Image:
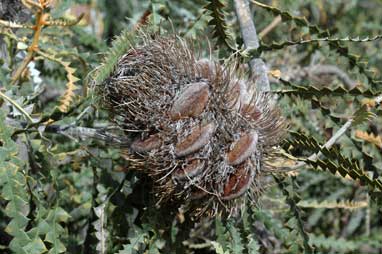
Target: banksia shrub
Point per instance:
(194, 126)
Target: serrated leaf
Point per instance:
(215, 8)
(283, 44)
(371, 138)
(221, 233)
(13, 189)
(362, 115)
(335, 45)
(219, 248)
(236, 244)
(64, 22)
(55, 216)
(68, 96)
(332, 243)
(100, 230)
(119, 46)
(334, 161)
(19, 240)
(308, 92)
(252, 245)
(37, 246)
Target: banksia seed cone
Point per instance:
(194, 126)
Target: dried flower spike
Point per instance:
(201, 135)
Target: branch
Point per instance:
(333, 139)
(328, 144)
(332, 70)
(248, 32)
(313, 72)
(77, 132)
(84, 133)
(270, 27)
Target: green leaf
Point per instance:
(362, 115)
(236, 244)
(215, 8)
(252, 245)
(334, 161)
(119, 47)
(331, 243)
(137, 238)
(13, 189)
(35, 247)
(221, 233)
(354, 60)
(219, 248)
(56, 216)
(282, 45)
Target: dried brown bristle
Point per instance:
(234, 94)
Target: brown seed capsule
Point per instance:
(199, 137)
(191, 101)
(144, 146)
(194, 168)
(243, 148)
(237, 184)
